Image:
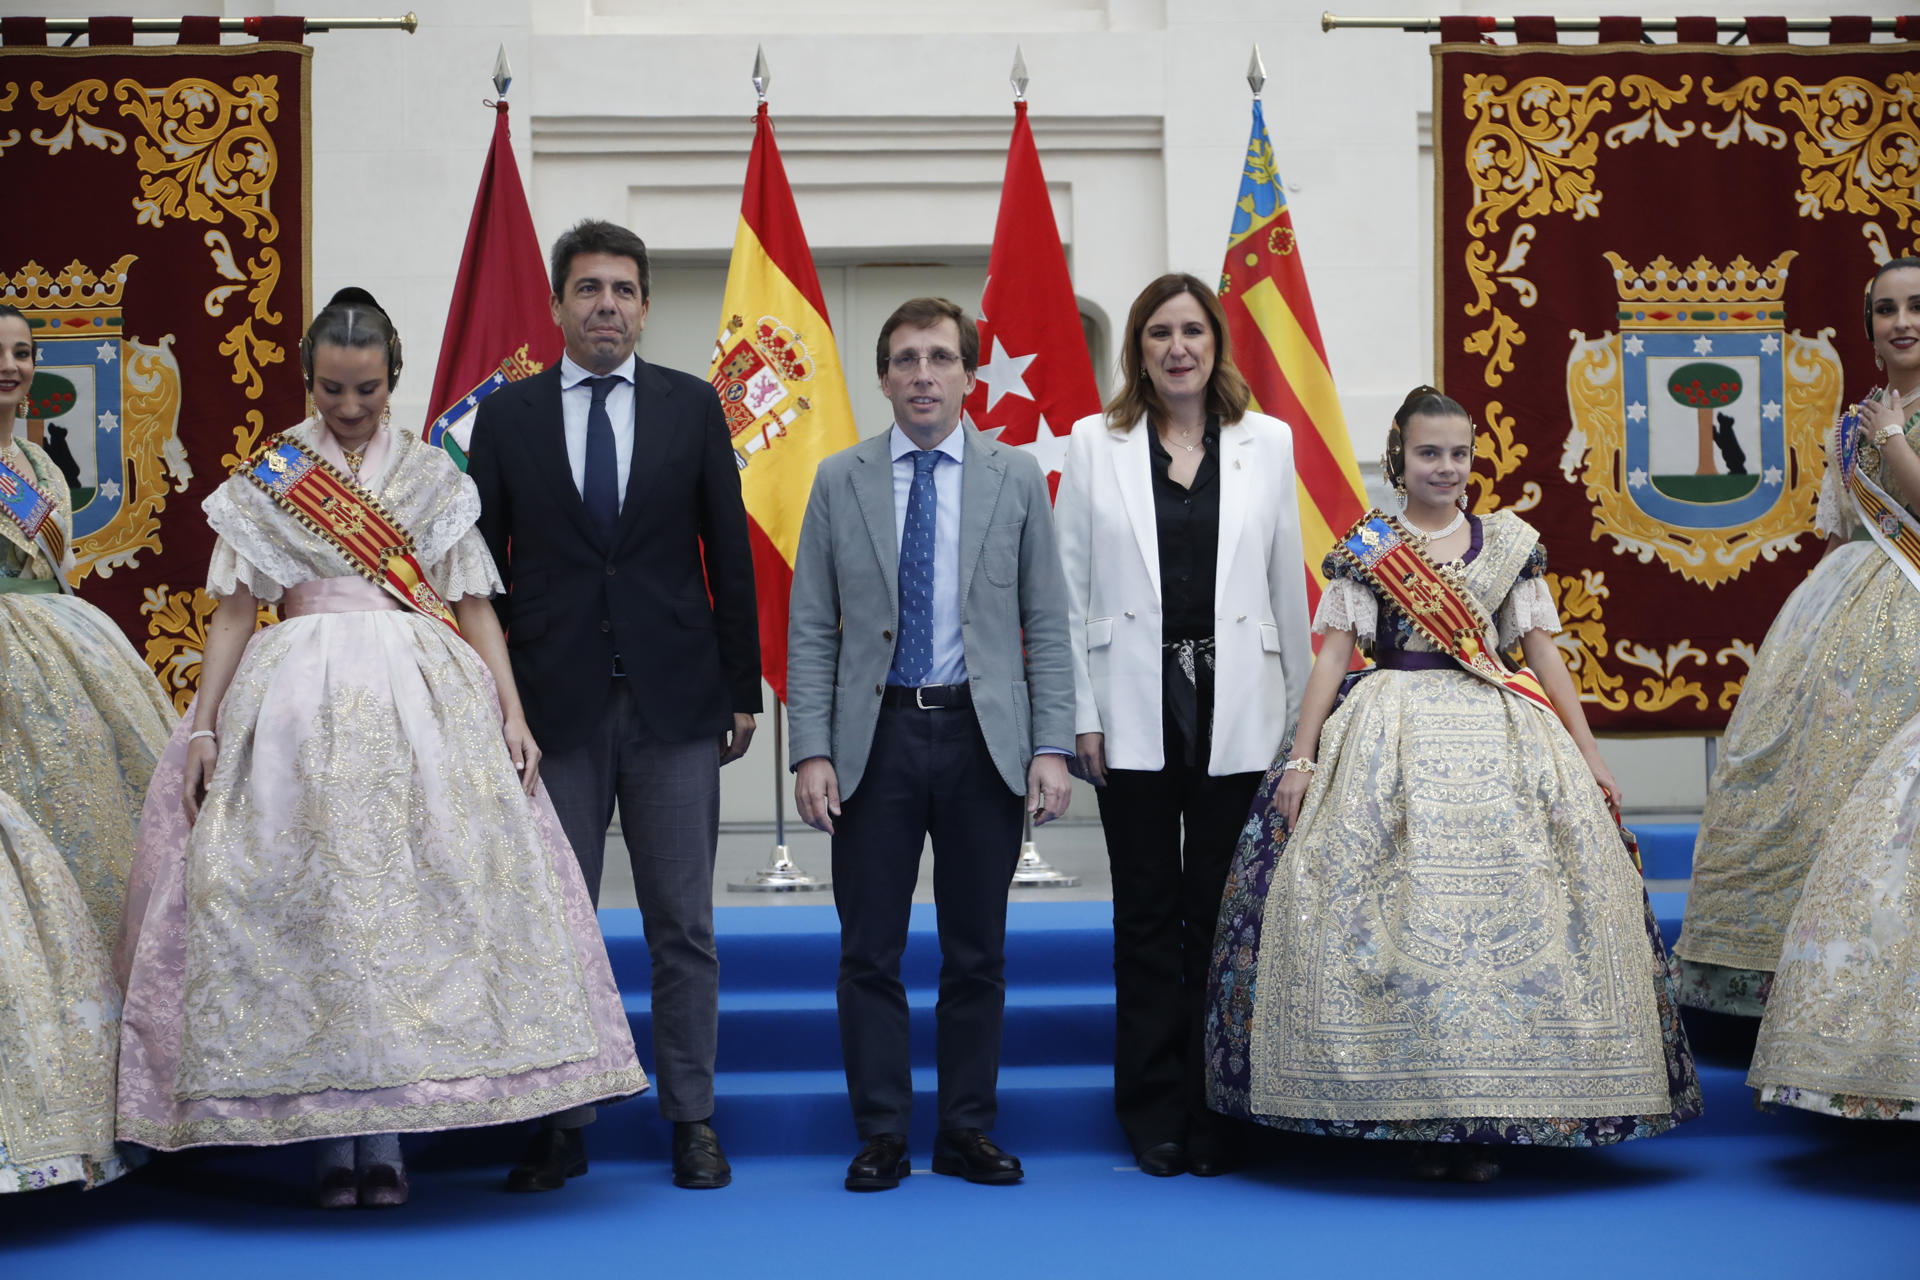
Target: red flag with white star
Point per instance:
(1035, 377)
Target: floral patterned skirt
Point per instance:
(1401, 958)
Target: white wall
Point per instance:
(639, 110)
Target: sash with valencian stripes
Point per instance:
(37, 516)
(305, 486)
(1889, 523)
(1438, 609)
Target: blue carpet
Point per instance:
(1737, 1192)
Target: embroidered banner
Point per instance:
(1649, 280)
(157, 242)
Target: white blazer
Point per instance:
(1110, 550)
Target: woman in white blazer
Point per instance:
(1179, 532)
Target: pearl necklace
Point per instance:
(1459, 518)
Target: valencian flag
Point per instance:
(1035, 377)
(1276, 344)
(499, 326)
(780, 383)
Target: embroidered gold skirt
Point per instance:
(1841, 1033)
(1454, 932)
(1833, 681)
(82, 720)
(60, 1032)
(371, 928)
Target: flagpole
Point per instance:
(1032, 871)
(781, 874)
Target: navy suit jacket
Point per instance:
(672, 594)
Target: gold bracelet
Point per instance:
(1299, 764)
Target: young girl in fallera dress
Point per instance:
(352, 912)
(1432, 930)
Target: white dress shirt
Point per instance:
(576, 399)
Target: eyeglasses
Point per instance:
(941, 361)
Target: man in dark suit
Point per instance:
(610, 498)
(930, 689)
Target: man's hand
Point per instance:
(1093, 757)
(816, 793)
(734, 745)
(1048, 788)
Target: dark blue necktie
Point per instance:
(600, 490)
(913, 656)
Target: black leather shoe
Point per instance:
(1163, 1160)
(881, 1163)
(552, 1157)
(698, 1162)
(970, 1154)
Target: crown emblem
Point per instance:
(783, 349)
(34, 288)
(1702, 284)
(520, 365)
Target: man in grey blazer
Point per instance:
(929, 689)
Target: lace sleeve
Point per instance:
(1347, 606)
(1527, 607)
(1834, 517)
(466, 570)
(227, 571)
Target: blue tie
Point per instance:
(600, 490)
(913, 656)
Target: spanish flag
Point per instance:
(779, 381)
(1276, 343)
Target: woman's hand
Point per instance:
(1877, 416)
(1091, 763)
(1287, 797)
(201, 755)
(525, 752)
(1604, 776)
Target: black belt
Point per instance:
(928, 697)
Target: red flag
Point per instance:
(1035, 377)
(499, 326)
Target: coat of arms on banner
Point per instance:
(758, 374)
(1697, 428)
(105, 405)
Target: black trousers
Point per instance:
(929, 774)
(1166, 898)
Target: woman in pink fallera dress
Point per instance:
(352, 912)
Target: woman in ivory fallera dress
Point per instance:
(82, 718)
(60, 1032)
(1842, 1027)
(352, 912)
(1453, 944)
(1833, 682)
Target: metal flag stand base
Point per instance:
(1034, 872)
(781, 874)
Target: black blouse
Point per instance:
(1188, 523)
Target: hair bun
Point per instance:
(354, 295)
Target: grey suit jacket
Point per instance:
(845, 609)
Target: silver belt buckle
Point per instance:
(919, 698)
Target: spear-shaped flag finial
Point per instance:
(761, 76)
(502, 72)
(1019, 76)
(1256, 71)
